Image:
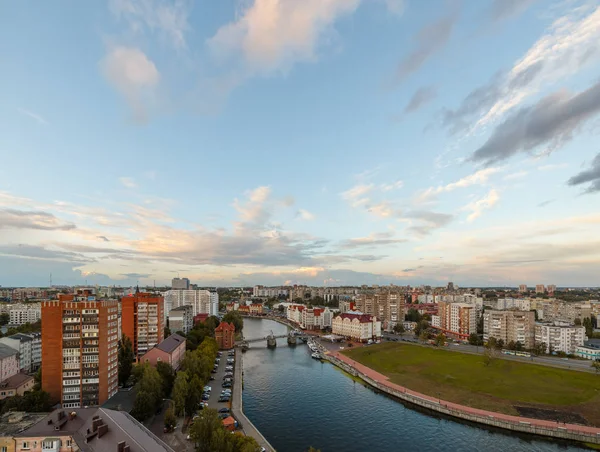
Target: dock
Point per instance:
(237, 406)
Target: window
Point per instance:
(158, 359)
(25, 445)
(69, 442)
(3, 449)
(48, 444)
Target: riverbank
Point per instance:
(237, 405)
(572, 432)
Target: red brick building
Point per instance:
(225, 335)
(143, 321)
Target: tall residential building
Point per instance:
(551, 289)
(387, 306)
(517, 326)
(539, 288)
(457, 319)
(180, 284)
(181, 319)
(79, 350)
(560, 337)
(20, 314)
(201, 301)
(142, 320)
(523, 288)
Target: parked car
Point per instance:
(227, 385)
(224, 399)
(224, 410)
(223, 415)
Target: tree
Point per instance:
(194, 395)
(589, 329)
(143, 406)
(488, 356)
(167, 375)
(492, 342)
(440, 339)
(149, 392)
(473, 339)
(280, 308)
(235, 318)
(167, 332)
(577, 321)
(243, 443)
(180, 392)
(518, 346)
(4, 318)
(500, 344)
(512, 345)
(420, 327)
(596, 366)
(203, 431)
(413, 315)
(125, 357)
(399, 328)
(170, 419)
(424, 336)
(312, 449)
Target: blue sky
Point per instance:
(322, 142)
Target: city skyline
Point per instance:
(322, 143)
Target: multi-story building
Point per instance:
(560, 337)
(358, 327)
(388, 306)
(180, 284)
(523, 288)
(315, 318)
(565, 311)
(551, 288)
(201, 301)
(540, 288)
(255, 309)
(20, 314)
(181, 319)
(22, 344)
(225, 335)
(588, 353)
(346, 305)
(28, 293)
(294, 312)
(523, 304)
(142, 320)
(458, 320)
(9, 362)
(269, 292)
(515, 326)
(79, 350)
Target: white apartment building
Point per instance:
(358, 327)
(523, 304)
(181, 319)
(269, 292)
(315, 318)
(20, 314)
(201, 301)
(294, 312)
(29, 348)
(560, 337)
(180, 284)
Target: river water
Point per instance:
(297, 402)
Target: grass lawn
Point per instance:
(463, 378)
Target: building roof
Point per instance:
(59, 422)
(186, 307)
(22, 337)
(170, 344)
(15, 422)
(120, 426)
(6, 351)
(362, 318)
(225, 326)
(228, 421)
(16, 381)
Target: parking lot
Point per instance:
(217, 384)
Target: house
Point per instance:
(256, 309)
(358, 327)
(88, 430)
(170, 351)
(9, 362)
(16, 385)
(225, 335)
(230, 423)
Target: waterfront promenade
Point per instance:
(574, 432)
(237, 405)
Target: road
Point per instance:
(177, 439)
(216, 385)
(569, 364)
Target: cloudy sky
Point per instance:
(315, 141)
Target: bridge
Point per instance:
(270, 339)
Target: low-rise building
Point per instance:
(315, 318)
(256, 308)
(294, 313)
(358, 327)
(560, 337)
(170, 351)
(12, 423)
(588, 352)
(16, 385)
(181, 319)
(225, 335)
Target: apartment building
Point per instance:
(315, 318)
(29, 348)
(294, 312)
(201, 301)
(540, 288)
(457, 320)
(180, 284)
(21, 313)
(9, 362)
(523, 304)
(559, 336)
(387, 306)
(514, 325)
(142, 320)
(269, 292)
(565, 311)
(181, 319)
(551, 288)
(79, 350)
(523, 288)
(358, 327)
(29, 293)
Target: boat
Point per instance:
(316, 355)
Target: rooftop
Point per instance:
(15, 381)
(171, 343)
(14, 422)
(6, 351)
(224, 326)
(61, 421)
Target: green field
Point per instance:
(463, 378)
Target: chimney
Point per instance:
(120, 446)
(102, 430)
(126, 448)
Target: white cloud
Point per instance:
(37, 117)
(477, 207)
(478, 178)
(167, 17)
(128, 182)
(395, 6)
(356, 195)
(254, 210)
(272, 35)
(383, 210)
(306, 215)
(134, 75)
(392, 186)
(517, 175)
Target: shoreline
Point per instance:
(570, 432)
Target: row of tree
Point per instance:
(153, 385)
(209, 435)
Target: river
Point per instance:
(297, 402)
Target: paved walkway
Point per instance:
(237, 406)
(384, 380)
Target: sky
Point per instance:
(323, 142)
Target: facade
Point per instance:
(142, 321)
(540, 288)
(201, 301)
(457, 320)
(28, 293)
(516, 326)
(225, 335)
(588, 353)
(89, 430)
(16, 385)
(269, 292)
(523, 288)
(294, 312)
(387, 306)
(315, 318)
(180, 284)
(551, 289)
(358, 327)
(181, 319)
(79, 350)
(20, 314)
(29, 348)
(560, 337)
(563, 311)
(170, 351)
(9, 362)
